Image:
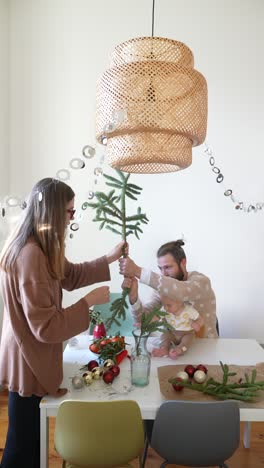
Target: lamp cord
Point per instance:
(153, 15)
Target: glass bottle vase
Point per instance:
(140, 360)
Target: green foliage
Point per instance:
(111, 214)
(242, 390)
(110, 350)
(111, 209)
(118, 309)
(95, 317)
(154, 321)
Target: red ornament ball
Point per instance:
(202, 367)
(176, 387)
(92, 364)
(190, 370)
(115, 369)
(108, 377)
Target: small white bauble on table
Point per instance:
(77, 382)
(183, 376)
(199, 376)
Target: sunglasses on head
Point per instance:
(71, 213)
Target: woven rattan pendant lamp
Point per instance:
(164, 103)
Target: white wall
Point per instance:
(4, 95)
(58, 49)
(4, 115)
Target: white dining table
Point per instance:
(149, 398)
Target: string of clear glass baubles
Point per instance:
(88, 152)
(228, 192)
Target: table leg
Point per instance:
(44, 439)
(246, 438)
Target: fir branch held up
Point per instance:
(111, 214)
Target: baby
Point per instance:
(185, 321)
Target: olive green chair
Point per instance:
(126, 326)
(99, 434)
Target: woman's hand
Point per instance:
(128, 268)
(119, 250)
(60, 392)
(99, 295)
(132, 285)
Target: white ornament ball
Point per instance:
(199, 376)
(183, 376)
(77, 382)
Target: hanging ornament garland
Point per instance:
(228, 192)
(89, 152)
(64, 175)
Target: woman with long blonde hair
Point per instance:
(34, 271)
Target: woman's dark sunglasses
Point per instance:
(71, 212)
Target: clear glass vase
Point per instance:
(140, 360)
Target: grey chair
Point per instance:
(196, 434)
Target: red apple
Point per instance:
(190, 370)
(92, 364)
(202, 367)
(108, 377)
(176, 387)
(115, 369)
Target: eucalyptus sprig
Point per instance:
(95, 316)
(246, 390)
(111, 214)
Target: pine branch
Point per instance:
(113, 230)
(106, 201)
(107, 220)
(110, 184)
(152, 322)
(112, 179)
(122, 175)
(244, 391)
(128, 233)
(111, 216)
(136, 187)
(129, 195)
(138, 217)
(118, 309)
(112, 212)
(131, 190)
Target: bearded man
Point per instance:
(174, 282)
